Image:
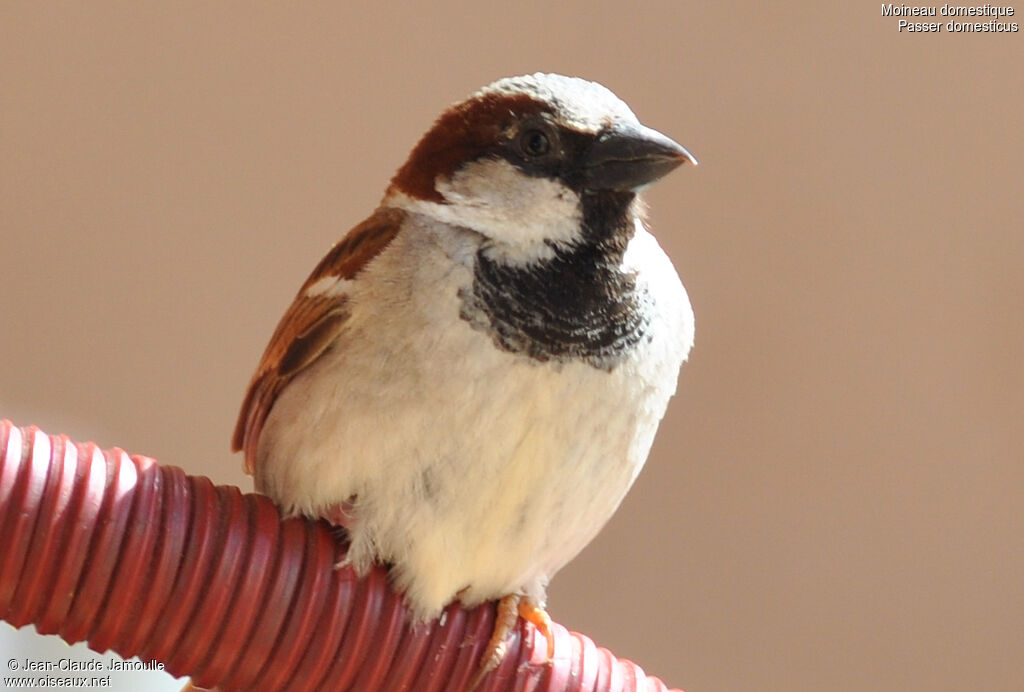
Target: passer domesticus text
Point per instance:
(472, 377)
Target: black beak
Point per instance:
(629, 157)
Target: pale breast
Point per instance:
(472, 466)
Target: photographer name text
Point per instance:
(71, 665)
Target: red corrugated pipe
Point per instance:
(147, 561)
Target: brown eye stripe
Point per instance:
(463, 133)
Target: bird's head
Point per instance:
(518, 161)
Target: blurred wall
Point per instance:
(834, 501)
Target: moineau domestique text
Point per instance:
(946, 10)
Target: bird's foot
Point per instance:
(340, 518)
(510, 608)
(540, 619)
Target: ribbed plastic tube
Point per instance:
(144, 560)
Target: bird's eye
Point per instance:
(534, 143)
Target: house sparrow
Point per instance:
(471, 379)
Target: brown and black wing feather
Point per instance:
(311, 324)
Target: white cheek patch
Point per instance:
(521, 214)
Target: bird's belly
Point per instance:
(472, 470)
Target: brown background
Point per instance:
(834, 501)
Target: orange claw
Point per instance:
(541, 620)
(510, 608)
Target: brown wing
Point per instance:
(310, 325)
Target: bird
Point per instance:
(471, 378)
